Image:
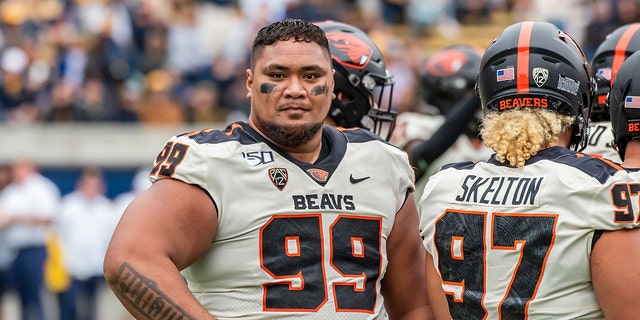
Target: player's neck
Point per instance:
(632, 155)
(308, 152)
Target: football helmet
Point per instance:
(624, 103)
(610, 54)
(363, 86)
(536, 65)
(448, 75)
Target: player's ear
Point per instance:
(249, 83)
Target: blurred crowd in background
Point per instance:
(184, 61)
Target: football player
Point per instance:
(276, 217)
(447, 84)
(363, 85)
(624, 108)
(609, 55)
(539, 230)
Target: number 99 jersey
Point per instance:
(516, 243)
(294, 240)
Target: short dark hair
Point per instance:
(284, 30)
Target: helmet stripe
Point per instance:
(524, 42)
(620, 53)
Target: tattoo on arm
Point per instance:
(144, 295)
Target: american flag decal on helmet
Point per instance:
(279, 177)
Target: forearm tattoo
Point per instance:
(144, 295)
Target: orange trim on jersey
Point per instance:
(613, 164)
(193, 133)
(605, 160)
(233, 127)
(460, 285)
(355, 278)
(518, 245)
(524, 42)
(346, 129)
(356, 242)
(619, 54)
(457, 243)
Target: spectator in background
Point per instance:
(400, 65)
(64, 104)
(627, 11)
(85, 224)
(394, 11)
(315, 10)
(139, 183)
(150, 25)
(602, 23)
(158, 105)
(13, 92)
(29, 204)
(129, 97)
(6, 253)
(190, 42)
(202, 106)
(95, 100)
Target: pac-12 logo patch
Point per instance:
(540, 76)
(279, 177)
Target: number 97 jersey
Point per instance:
(294, 240)
(515, 243)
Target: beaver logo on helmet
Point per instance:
(349, 49)
(446, 63)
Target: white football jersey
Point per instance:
(414, 126)
(294, 240)
(515, 243)
(418, 126)
(600, 141)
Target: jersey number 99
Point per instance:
(292, 252)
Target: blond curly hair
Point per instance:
(515, 135)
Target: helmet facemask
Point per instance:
(363, 86)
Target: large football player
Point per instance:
(364, 87)
(447, 83)
(276, 217)
(537, 231)
(608, 58)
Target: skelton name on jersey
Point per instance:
(503, 191)
(323, 202)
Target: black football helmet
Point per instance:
(363, 86)
(536, 65)
(624, 104)
(609, 56)
(448, 75)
